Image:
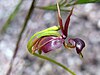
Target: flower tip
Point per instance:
(81, 55)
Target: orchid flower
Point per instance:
(77, 43)
(50, 39)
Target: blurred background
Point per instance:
(14, 57)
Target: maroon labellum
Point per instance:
(47, 44)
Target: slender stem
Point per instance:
(51, 7)
(20, 35)
(55, 62)
(11, 17)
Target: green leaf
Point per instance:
(64, 4)
(51, 7)
(11, 17)
(87, 1)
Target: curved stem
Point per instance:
(55, 62)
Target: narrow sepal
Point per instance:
(60, 19)
(67, 23)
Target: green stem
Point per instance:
(51, 7)
(11, 17)
(55, 62)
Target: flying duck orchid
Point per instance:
(50, 39)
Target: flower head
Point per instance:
(50, 39)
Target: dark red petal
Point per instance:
(67, 23)
(60, 19)
(50, 43)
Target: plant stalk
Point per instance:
(55, 62)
